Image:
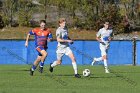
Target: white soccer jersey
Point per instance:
(63, 34)
(63, 47)
(104, 35)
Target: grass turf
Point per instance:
(122, 79)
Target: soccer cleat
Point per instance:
(31, 72)
(93, 61)
(107, 71)
(51, 68)
(77, 76)
(40, 69)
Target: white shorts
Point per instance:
(103, 49)
(61, 51)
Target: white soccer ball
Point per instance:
(86, 73)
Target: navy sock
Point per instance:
(33, 67)
(41, 64)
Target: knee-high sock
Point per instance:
(74, 67)
(54, 64)
(105, 64)
(41, 64)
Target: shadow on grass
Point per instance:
(127, 72)
(15, 70)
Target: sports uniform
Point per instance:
(41, 37)
(62, 47)
(104, 36)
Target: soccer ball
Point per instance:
(86, 73)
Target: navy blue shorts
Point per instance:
(39, 49)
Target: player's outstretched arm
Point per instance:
(27, 39)
(62, 40)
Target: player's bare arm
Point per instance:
(98, 39)
(62, 40)
(27, 39)
(111, 37)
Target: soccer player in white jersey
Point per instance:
(63, 47)
(104, 36)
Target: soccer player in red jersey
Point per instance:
(42, 35)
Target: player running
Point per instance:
(104, 37)
(42, 35)
(63, 47)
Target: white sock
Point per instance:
(74, 67)
(98, 59)
(54, 64)
(105, 64)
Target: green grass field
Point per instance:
(122, 79)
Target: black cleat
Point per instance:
(40, 69)
(31, 72)
(77, 76)
(51, 68)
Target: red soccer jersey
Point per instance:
(41, 36)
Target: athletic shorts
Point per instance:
(39, 49)
(61, 51)
(103, 49)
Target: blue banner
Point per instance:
(138, 53)
(119, 53)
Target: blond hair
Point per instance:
(61, 20)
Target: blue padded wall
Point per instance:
(138, 53)
(120, 52)
(90, 50)
(12, 52)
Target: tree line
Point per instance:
(83, 14)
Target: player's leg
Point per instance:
(57, 62)
(42, 52)
(96, 60)
(104, 57)
(43, 57)
(72, 57)
(35, 64)
(102, 48)
(105, 64)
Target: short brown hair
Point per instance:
(43, 21)
(61, 20)
(107, 23)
